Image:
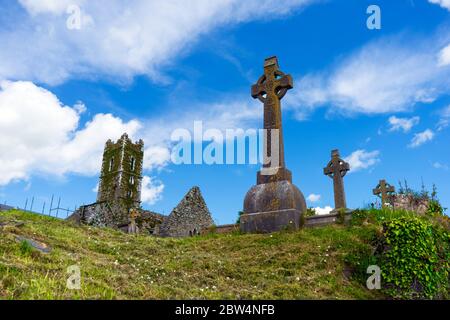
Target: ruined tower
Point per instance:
(121, 174)
(119, 188)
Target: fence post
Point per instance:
(57, 209)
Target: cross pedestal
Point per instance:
(274, 203)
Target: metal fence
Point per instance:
(33, 206)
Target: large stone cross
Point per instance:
(337, 169)
(383, 190)
(270, 89)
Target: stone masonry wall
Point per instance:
(191, 217)
(410, 202)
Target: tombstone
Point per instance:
(384, 190)
(132, 226)
(274, 203)
(37, 245)
(337, 169)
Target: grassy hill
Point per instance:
(323, 263)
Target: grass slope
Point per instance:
(306, 264)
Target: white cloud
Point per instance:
(119, 39)
(95, 189)
(42, 136)
(443, 3)
(438, 165)
(362, 159)
(151, 191)
(156, 157)
(421, 138)
(313, 197)
(404, 124)
(384, 76)
(322, 211)
(80, 107)
(35, 7)
(444, 56)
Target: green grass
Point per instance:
(306, 264)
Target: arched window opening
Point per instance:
(111, 164)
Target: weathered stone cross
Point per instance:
(337, 169)
(383, 190)
(270, 89)
(274, 203)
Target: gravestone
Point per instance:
(39, 246)
(132, 226)
(384, 190)
(274, 203)
(337, 169)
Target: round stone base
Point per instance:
(272, 207)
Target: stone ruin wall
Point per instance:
(102, 214)
(191, 217)
(410, 203)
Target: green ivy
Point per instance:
(415, 259)
(435, 208)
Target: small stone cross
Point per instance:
(337, 169)
(383, 190)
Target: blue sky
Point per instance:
(150, 67)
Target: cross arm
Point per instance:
(259, 88)
(283, 84)
(328, 170)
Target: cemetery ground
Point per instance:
(312, 263)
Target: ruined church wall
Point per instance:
(191, 217)
(409, 202)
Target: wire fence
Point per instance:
(54, 209)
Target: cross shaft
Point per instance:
(270, 89)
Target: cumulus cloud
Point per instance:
(443, 3)
(421, 138)
(57, 7)
(383, 76)
(119, 39)
(402, 124)
(156, 157)
(438, 165)
(362, 159)
(41, 135)
(444, 56)
(322, 211)
(313, 197)
(151, 191)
